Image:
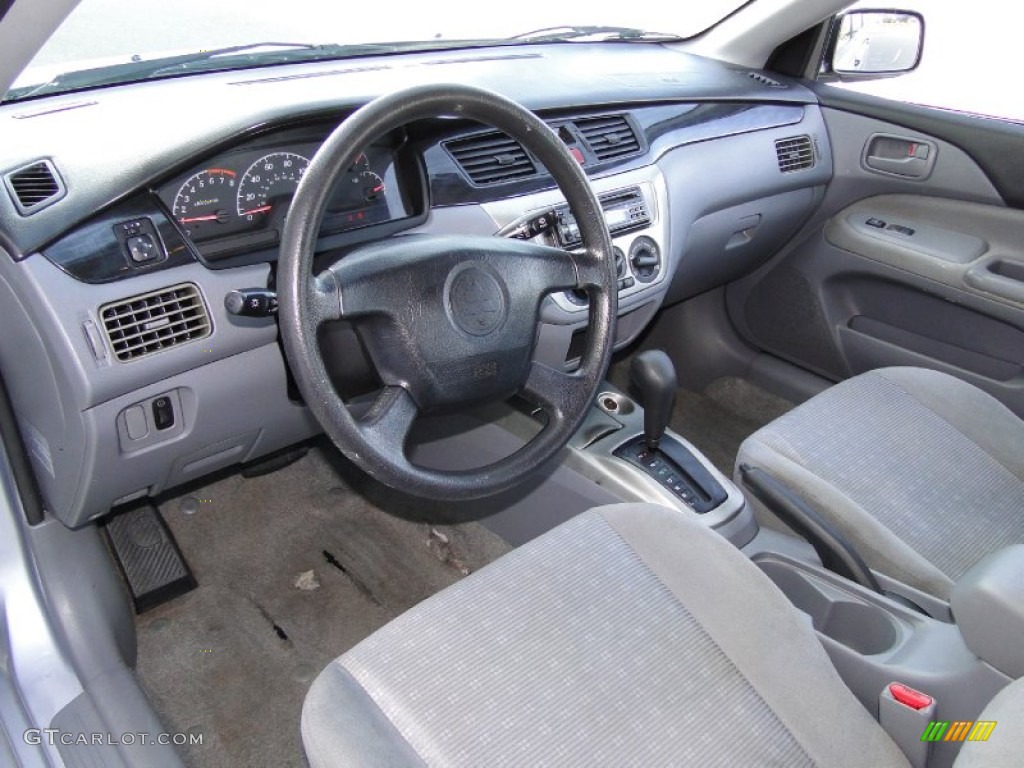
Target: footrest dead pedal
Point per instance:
(148, 557)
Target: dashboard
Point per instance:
(135, 377)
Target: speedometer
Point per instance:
(269, 183)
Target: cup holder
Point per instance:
(615, 404)
(861, 626)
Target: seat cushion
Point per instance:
(1004, 748)
(921, 471)
(631, 635)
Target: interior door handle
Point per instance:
(899, 156)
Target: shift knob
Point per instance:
(654, 376)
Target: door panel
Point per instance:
(994, 145)
(976, 248)
(905, 263)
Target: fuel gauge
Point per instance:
(372, 186)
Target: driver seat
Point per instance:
(630, 635)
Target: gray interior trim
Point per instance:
(964, 245)
(994, 144)
(988, 603)
(35, 661)
(873, 641)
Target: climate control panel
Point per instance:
(638, 256)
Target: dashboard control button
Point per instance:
(139, 242)
(163, 413)
(141, 248)
(645, 259)
(135, 422)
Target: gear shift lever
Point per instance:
(654, 375)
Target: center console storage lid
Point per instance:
(988, 604)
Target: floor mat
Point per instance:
(233, 659)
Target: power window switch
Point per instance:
(876, 223)
(163, 413)
(135, 423)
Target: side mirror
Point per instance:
(869, 44)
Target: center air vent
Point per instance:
(795, 153)
(35, 186)
(151, 322)
(609, 136)
(491, 157)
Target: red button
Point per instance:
(577, 155)
(906, 695)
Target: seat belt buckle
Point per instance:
(906, 714)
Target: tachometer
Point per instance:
(269, 182)
(204, 200)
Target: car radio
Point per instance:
(625, 210)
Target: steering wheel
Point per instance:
(446, 320)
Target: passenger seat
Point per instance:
(920, 471)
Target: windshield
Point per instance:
(111, 41)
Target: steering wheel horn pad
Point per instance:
(476, 300)
(446, 320)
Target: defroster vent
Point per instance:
(146, 324)
(795, 154)
(491, 157)
(609, 136)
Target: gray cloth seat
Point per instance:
(631, 635)
(922, 472)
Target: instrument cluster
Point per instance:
(239, 199)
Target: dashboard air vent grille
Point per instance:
(151, 322)
(491, 157)
(609, 136)
(795, 153)
(765, 80)
(35, 186)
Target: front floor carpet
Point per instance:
(232, 660)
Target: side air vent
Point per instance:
(765, 80)
(795, 154)
(491, 157)
(34, 187)
(609, 137)
(146, 324)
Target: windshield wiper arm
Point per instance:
(593, 33)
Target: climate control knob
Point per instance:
(645, 259)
